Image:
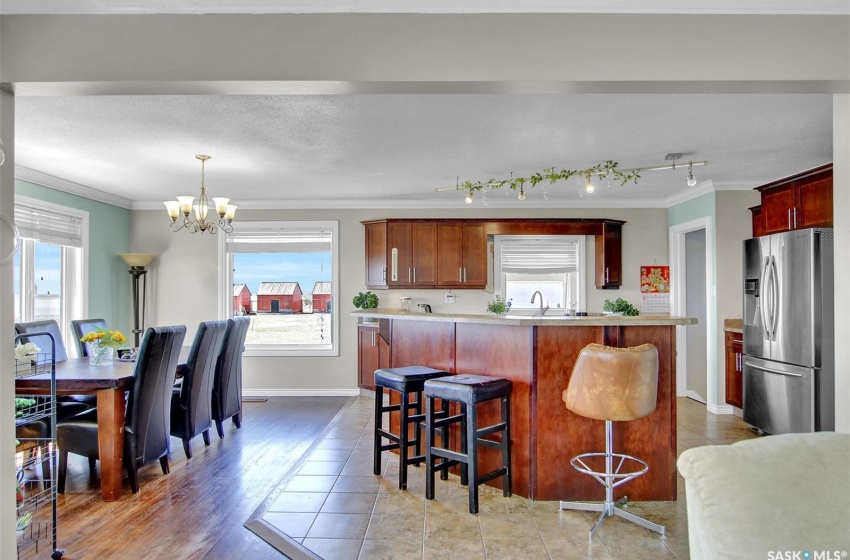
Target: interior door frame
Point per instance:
(678, 307)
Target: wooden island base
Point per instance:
(538, 359)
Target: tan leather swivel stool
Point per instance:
(615, 385)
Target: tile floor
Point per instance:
(334, 506)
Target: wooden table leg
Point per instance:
(110, 442)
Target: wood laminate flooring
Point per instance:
(199, 509)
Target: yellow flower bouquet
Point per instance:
(104, 337)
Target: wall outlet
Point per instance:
(450, 298)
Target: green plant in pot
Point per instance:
(620, 307)
(366, 300)
(498, 305)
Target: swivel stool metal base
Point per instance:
(610, 479)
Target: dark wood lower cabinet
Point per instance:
(373, 352)
(735, 369)
(544, 434)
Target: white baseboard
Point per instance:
(695, 396)
(301, 392)
(721, 409)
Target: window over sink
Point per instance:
(551, 264)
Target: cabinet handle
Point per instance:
(789, 218)
(373, 338)
(459, 275)
(795, 217)
(408, 275)
(414, 275)
(606, 274)
(464, 275)
(738, 362)
(385, 275)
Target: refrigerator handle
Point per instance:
(772, 370)
(765, 298)
(774, 312)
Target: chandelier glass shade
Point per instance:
(184, 205)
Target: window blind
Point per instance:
(46, 226)
(539, 254)
(258, 239)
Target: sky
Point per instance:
(304, 268)
(48, 269)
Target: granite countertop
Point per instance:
(526, 320)
(733, 325)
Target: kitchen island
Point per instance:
(537, 354)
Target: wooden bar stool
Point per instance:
(468, 390)
(407, 381)
(612, 384)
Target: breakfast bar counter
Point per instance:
(537, 354)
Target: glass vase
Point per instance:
(100, 355)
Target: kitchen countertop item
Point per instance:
(529, 320)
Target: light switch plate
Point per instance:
(450, 298)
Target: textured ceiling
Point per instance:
(290, 149)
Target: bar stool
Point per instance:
(468, 390)
(405, 380)
(613, 384)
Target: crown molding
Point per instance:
(70, 187)
(738, 186)
(700, 189)
(198, 7)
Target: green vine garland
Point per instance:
(602, 170)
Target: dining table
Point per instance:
(76, 376)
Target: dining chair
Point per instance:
(191, 401)
(227, 382)
(66, 405)
(82, 327)
(147, 418)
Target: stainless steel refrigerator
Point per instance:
(789, 336)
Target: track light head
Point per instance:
(521, 195)
(588, 187)
(691, 179)
(468, 198)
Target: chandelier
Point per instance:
(183, 205)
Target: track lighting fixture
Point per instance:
(588, 187)
(468, 198)
(691, 179)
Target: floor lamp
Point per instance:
(137, 263)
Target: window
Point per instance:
(284, 276)
(49, 280)
(550, 264)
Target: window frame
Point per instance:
(72, 272)
(499, 281)
(225, 300)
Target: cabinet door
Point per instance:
(400, 254)
(734, 370)
(376, 255)
(758, 221)
(424, 248)
(474, 255)
(777, 204)
(368, 359)
(609, 249)
(814, 201)
(450, 253)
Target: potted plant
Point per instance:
(498, 305)
(365, 300)
(619, 307)
(102, 344)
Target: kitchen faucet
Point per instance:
(542, 309)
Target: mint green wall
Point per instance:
(698, 207)
(109, 234)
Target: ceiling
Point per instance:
(396, 150)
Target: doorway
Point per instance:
(275, 306)
(691, 279)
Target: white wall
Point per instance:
(183, 279)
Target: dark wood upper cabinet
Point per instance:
(434, 253)
(797, 202)
(462, 254)
(376, 255)
(758, 221)
(609, 256)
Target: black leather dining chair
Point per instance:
(191, 401)
(82, 327)
(227, 382)
(147, 418)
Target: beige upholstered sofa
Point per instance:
(770, 498)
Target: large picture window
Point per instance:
(550, 264)
(49, 280)
(284, 276)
